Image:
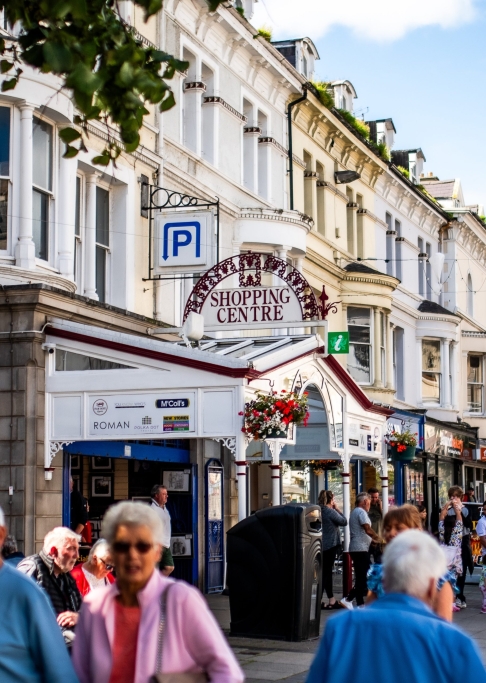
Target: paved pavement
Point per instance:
(276, 660)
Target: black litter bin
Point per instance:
(274, 573)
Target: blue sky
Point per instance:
(429, 79)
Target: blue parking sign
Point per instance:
(183, 240)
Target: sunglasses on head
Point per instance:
(123, 548)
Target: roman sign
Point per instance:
(141, 415)
(251, 305)
(183, 240)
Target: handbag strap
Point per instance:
(160, 639)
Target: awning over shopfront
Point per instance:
(104, 385)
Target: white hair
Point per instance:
(131, 514)
(361, 497)
(412, 559)
(100, 549)
(2, 518)
(58, 537)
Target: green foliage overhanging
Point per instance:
(109, 71)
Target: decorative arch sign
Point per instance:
(290, 300)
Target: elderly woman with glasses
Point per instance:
(146, 623)
(96, 571)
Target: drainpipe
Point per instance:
(291, 161)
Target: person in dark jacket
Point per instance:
(79, 509)
(10, 551)
(50, 570)
(332, 519)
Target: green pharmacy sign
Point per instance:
(338, 342)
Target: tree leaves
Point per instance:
(109, 71)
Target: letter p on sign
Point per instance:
(183, 240)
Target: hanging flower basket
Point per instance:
(269, 416)
(402, 445)
(407, 453)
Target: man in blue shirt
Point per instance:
(32, 648)
(398, 639)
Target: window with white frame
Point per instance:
(428, 271)
(102, 241)
(421, 287)
(431, 371)
(390, 239)
(474, 383)
(78, 220)
(42, 140)
(398, 250)
(398, 362)
(359, 358)
(381, 340)
(4, 174)
(470, 296)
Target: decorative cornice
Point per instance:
(112, 134)
(252, 130)
(473, 333)
(219, 100)
(272, 141)
(22, 275)
(194, 85)
(312, 175)
(333, 189)
(279, 216)
(297, 160)
(371, 278)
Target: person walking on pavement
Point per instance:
(399, 639)
(332, 519)
(396, 521)
(146, 623)
(455, 494)
(159, 504)
(376, 516)
(50, 570)
(481, 532)
(32, 649)
(96, 571)
(361, 536)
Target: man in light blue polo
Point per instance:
(398, 638)
(32, 648)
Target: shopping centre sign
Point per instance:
(289, 299)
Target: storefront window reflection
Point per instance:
(295, 483)
(414, 481)
(446, 475)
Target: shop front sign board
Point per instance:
(141, 415)
(364, 439)
(445, 442)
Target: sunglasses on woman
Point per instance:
(123, 548)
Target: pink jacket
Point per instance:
(193, 641)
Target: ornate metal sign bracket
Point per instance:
(154, 198)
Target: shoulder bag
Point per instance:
(159, 677)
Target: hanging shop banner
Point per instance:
(235, 292)
(141, 414)
(184, 241)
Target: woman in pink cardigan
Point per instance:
(118, 628)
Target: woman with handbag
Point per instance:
(332, 519)
(146, 626)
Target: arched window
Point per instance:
(470, 296)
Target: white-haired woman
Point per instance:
(96, 571)
(117, 638)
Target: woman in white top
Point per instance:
(96, 571)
